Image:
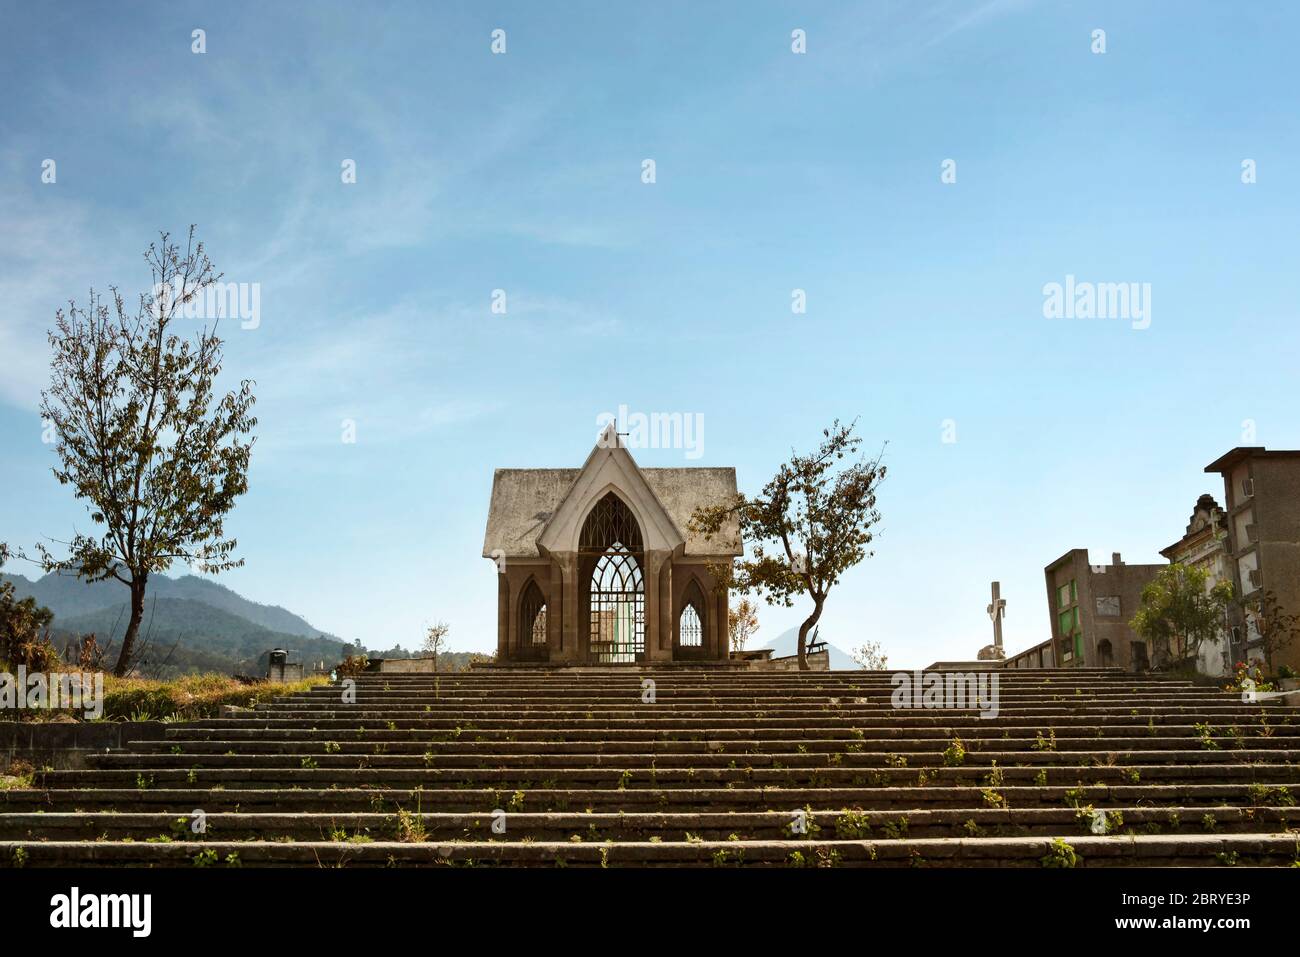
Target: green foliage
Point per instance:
(190, 697)
(1178, 613)
(1060, 854)
(142, 435)
(24, 630)
(810, 524)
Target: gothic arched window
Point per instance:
(610, 522)
(690, 624)
(532, 617)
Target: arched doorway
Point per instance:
(1105, 654)
(611, 543)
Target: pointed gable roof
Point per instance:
(546, 507)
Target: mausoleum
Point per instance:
(597, 565)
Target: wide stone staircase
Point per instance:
(1085, 768)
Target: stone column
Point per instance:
(555, 611)
(721, 647)
(573, 648)
(654, 612)
(666, 603)
(503, 617)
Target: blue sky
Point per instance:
(775, 172)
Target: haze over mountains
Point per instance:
(190, 624)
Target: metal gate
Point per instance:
(617, 608)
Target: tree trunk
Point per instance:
(806, 627)
(132, 628)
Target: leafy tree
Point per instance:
(141, 434)
(742, 622)
(435, 640)
(1277, 629)
(1179, 612)
(24, 628)
(810, 524)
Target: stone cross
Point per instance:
(997, 610)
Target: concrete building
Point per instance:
(597, 565)
(1090, 610)
(1262, 498)
(1205, 545)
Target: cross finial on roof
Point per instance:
(609, 437)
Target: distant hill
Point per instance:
(190, 624)
(185, 634)
(787, 643)
(68, 596)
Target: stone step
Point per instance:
(587, 774)
(1083, 851)
(182, 800)
(974, 757)
(1218, 717)
(653, 777)
(319, 743)
(763, 825)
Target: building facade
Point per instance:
(597, 566)
(1262, 500)
(1091, 606)
(1205, 545)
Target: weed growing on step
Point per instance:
(852, 825)
(1060, 854)
(410, 827)
(143, 782)
(1209, 823)
(1041, 778)
(895, 830)
(896, 760)
(1264, 795)
(1045, 743)
(1205, 733)
(955, 754)
(995, 776)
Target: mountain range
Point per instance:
(190, 624)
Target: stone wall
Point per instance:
(63, 745)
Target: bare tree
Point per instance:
(742, 622)
(435, 640)
(1277, 628)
